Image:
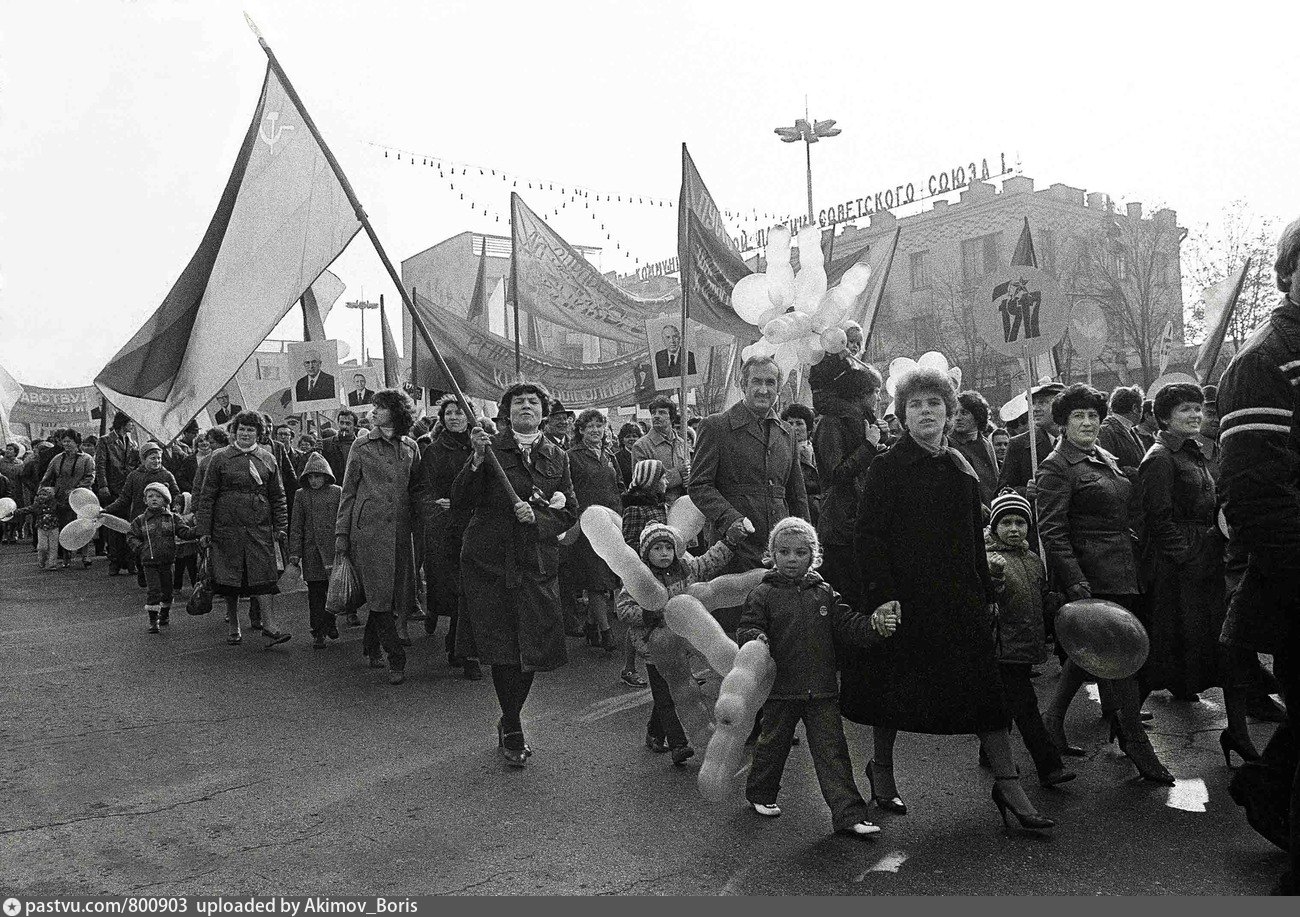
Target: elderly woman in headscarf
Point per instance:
(376, 515)
(920, 542)
(510, 556)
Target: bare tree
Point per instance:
(953, 314)
(1218, 249)
(1128, 271)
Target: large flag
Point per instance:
(709, 263)
(282, 219)
(554, 282)
(392, 362)
(1219, 298)
(1026, 256)
(484, 364)
(10, 392)
(478, 299)
(875, 292)
(317, 301)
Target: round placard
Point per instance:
(1020, 311)
(1088, 329)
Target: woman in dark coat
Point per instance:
(444, 526)
(510, 556)
(242, 517)
(920, 542)
(800, 419)
(1182, 569)
(628, 434)
(376, 516)
(1083, 521)
(595, 483)
(67, 471)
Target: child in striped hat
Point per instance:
(645, 500)
(1021, 585)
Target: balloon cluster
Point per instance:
(90, 516)
(901, 366)
(801, 320)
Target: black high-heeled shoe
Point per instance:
(1055, 726)
(515, 753)
(1245, 749)
(894, 803)
(1029, 821)
(1143, 757)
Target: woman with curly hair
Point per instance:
(376, 515)
(1083, 521)
(242, 515)
(920, 541)
(510, 556)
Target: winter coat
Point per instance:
(676, 578)
(747, 467)
(1022, 598)
(595, 483)
(675, 454)
(1083, 519)
(43, 510)
(444, 529)
(641, 508)
(130, 498)
(979, 453)
(1182, 568)
(12, 469)
(843, 457)
(336, 453)
(801, 620)
(154, 533)
(1018, 469)
(377, 512)
(1259, 401)
(624, 460)
(115, 457)
(65, 474)
(1120, 441)
(311, 523)
(243, 516)
(510, 569)
(179, 460)
(920, 542)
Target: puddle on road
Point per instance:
(1188, 795)
(890, 862)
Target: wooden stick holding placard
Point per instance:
(1029, 412)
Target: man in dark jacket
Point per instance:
(1119, 434)
(1259, 400)
(336, 450)
(1018, 470)
(115, 456)
(746, 466)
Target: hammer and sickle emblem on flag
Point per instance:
(276, 129)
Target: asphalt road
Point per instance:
(176, 764)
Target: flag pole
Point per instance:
(364, 219)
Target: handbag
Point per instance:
(200, 601)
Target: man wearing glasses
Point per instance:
(315, 385)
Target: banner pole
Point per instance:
(1029, 405)
(364, 219)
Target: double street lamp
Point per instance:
(809, 132)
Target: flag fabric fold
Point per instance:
(392, 362)
(553, 282)
(478, 299)
(10, 392)
(281, 220)
(1220, 299)
(875, 292)
(709, 263)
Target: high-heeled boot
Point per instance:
(1054, 716)
(1133, 739)
(1236, 737)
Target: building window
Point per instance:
(920, 271)
(979, 256)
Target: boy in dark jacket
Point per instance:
(153, 539)
(1021, 585)
(311, 541)
(800, 617)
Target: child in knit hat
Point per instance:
(1021, 585)
(802, 619)
(45, 521)
(645, 500)
(664, 553)
(153, 538)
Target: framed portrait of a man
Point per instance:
(314, 368)
(669, 360)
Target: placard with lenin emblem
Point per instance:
(1020, 311)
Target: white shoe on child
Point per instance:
(863, 828)
(766, 811)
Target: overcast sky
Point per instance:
(119, 122)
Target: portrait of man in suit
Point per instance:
(314, 384)
(225, 409)
(668, 361)
(360, 394)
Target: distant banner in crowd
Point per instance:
(1219, 299)
(282, 219)
(39, 411)
(483, 364)
(708, 260)
(554, 282)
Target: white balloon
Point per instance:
(855, 280)
(788, 327)
(7, 508)
(900, 365)
(787, 359)
(84, 503)
(749, 298)
(933, 360)
(767, 316)
(834, 340)
(818, 353)
(779, 272)
(955, 375)
(685, 518)
(810, 282)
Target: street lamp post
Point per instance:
(809, 132)
(362, 305)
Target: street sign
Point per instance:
(1020, 311)
(1088, 331)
